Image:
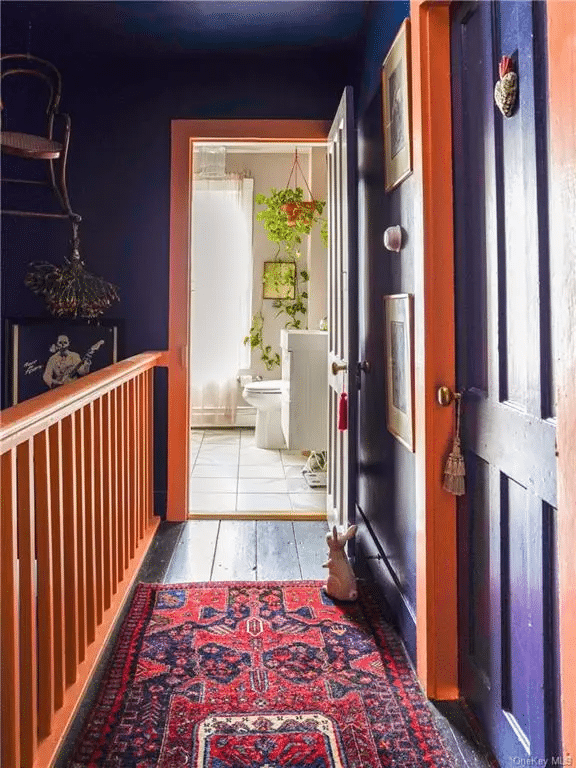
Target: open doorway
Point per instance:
(239, 305)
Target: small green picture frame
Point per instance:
(279, 280)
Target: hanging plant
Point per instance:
(287, 217)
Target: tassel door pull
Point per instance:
(343, 412)
(455, 469)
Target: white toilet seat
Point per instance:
(266, 386)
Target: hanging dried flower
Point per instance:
(70, 290)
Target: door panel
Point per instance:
(342, 311)
(507, 589)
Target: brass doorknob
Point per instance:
(445, 395)
(337, 367)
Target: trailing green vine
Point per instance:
(287, 218)
(293, 307)
(297, 305)
(256, 340)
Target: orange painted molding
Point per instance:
(436, 543)
(184, 133)
(562, 180)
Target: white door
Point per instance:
(342, 313)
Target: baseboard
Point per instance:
(372, 564)
(212, 417)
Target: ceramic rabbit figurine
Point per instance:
(341, 583)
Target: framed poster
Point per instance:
(45, 354)
(398, 313)
(396, 109)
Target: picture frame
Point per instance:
(41, 354)
(396, 109)
(399, 348)
(279, 280)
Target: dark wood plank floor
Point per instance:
(249, 550)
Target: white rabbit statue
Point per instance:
(341, 583)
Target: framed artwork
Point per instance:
(396, 109)
(279, 280)
(44, 354)
(398, 313)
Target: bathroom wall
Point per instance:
(272, 169)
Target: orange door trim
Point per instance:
(562, 179)
(184, 133)
(434, 352)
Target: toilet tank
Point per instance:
(305, 389)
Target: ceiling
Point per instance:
(178, 28)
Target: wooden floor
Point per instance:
(249, 550)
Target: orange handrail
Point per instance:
(76, 519)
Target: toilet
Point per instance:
(266, 397)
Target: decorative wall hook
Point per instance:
(506, 89)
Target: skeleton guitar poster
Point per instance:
(46, 355)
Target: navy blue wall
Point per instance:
(386, 501)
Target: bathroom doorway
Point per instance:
(229, 475)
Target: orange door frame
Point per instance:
(184, 134)
(562, 179)
(434, 347)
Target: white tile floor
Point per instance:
(230, 475)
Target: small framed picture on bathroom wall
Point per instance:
(279, 280)
(398, 313)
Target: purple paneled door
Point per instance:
(504, 317)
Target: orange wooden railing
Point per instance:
(76, 519)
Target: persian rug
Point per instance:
(257, 675)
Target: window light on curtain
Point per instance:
(222, 210)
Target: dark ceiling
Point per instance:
(178, 29)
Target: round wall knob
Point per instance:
(393, 238)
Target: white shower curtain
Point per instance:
(221, 296)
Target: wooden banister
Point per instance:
(76, 519)
(23, 420)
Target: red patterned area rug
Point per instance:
(257, 675)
